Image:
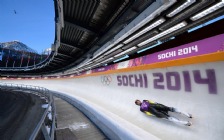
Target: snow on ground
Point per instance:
(45, 105)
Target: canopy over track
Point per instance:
(91, 33)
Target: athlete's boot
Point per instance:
(189, 123)
(172, 119)
(184, 113)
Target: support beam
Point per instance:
(58, 61)
(49, 65)
(80, 27)
(53, 63)
(46, 68)
(63, 60)
(141, 20)
(65, 55)
(72, 51)
(74, 47)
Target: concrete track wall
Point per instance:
(194, 88)
(194, 85)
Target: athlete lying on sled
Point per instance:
(161, 111)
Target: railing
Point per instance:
(42, 92)
(32, 67)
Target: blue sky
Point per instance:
(33, 24)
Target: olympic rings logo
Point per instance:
(106, 80)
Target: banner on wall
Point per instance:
(177, 80)
(201, 47)
(203, 79)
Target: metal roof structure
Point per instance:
(91, 33)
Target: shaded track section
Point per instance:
(19, 114)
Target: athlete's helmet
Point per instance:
(136, 101)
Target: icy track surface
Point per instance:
(197, 89)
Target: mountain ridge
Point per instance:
(17, 46)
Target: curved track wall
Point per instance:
(192, 84)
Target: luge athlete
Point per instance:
(161, 111)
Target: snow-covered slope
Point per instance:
(17, 46)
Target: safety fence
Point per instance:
(49, 110)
